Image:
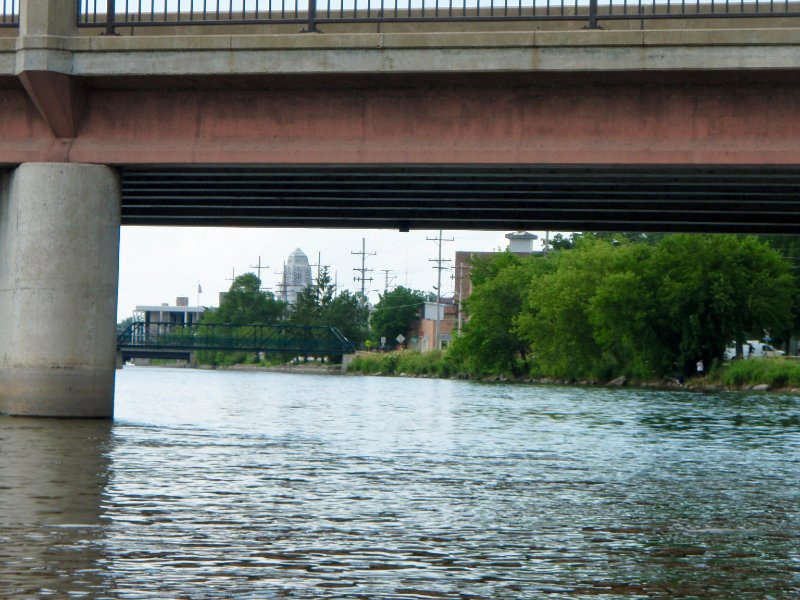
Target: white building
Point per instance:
(161, 319)
(296, 276)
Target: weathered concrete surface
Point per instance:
(510, 51)
(616, 96)
(514, 95)
(59, 239)
(496, 124)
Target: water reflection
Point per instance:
(53, 475)
(255, 485)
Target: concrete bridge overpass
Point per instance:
(658, 124)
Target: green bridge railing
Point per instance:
(296, 339)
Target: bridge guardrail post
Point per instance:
(111, 14)
(592, 15)
(312, 18)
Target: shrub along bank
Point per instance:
(777, 373)
(432, 364)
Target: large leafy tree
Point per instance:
(555, 319)
(349, 313)
(318, 305)
(246, 303)
(789, 247)
(612, 307)
(716, 289)
(489, 342)
(395, 311)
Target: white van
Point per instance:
(753, 349)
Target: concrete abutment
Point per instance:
(59, 243)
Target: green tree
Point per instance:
(396, 311)
(555, 320)
(612, 307)
(312, 302)
(626, 317)
(348, 312)
(559, 242)
(317, 306)
(489, 343)
(719, 288)
(485, 268)
(246, 304)
(123, 325)
(789, 247)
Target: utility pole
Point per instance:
(439, 241)
(233, 275)
(282, 283)
(318, 264)
(363, 270)
(460, 278)
(259, 268)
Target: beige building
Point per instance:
(423, 331)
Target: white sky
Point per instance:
(158, 264)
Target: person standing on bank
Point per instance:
(700, 368)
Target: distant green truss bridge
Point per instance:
(179, 341)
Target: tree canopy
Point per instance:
(319, 305)
(395, 311)
(643, 306)
(489, 342)
(246, 303)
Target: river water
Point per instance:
(266, 485)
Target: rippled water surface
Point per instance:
(267, 485)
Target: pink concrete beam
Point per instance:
(614, 124)
(58, 99)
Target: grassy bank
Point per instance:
(777, 373)
(774, 372)
(431, 364)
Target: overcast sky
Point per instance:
(158, 264)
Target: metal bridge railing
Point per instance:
(9, 13)
(303, 340)
(136, 13)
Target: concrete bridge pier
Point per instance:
(59, 264)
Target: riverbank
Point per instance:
(763, 375)
(304, 368)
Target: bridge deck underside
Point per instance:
(731, 199)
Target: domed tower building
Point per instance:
(296, 276)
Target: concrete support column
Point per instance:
(59, 243)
